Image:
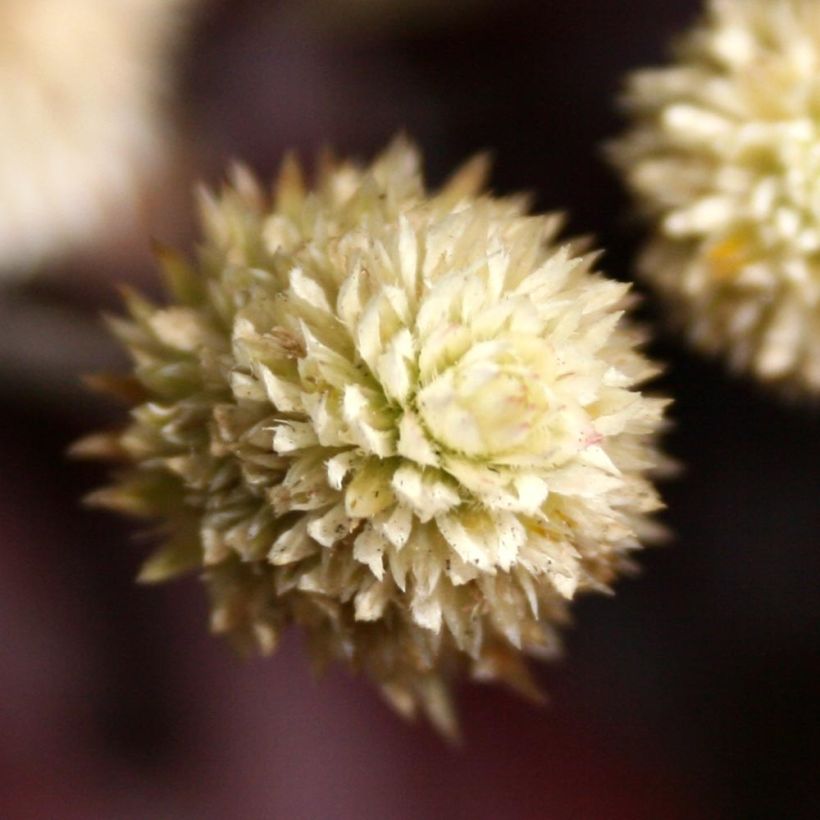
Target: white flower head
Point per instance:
(724, 160)
(407, 421)
(82, 86)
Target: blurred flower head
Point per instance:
(82, 85)
(724, 160)
(407, 421)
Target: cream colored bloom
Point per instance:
(81, 104)
(407, 421)
(724, 159)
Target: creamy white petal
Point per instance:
(369, 548)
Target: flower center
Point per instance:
(491, 400)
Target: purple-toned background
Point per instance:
(691, 694)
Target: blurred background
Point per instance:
(692, 694)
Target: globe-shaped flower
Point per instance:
(724, 160)
(406, 421)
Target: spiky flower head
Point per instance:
(406, 421)
(724, 159)
(84, 127)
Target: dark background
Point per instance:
(693, 693)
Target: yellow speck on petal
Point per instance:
(727, 258)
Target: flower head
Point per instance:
(724, 160)
(407, 421)
(81, 101)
